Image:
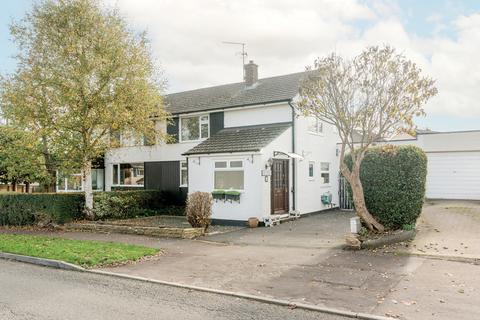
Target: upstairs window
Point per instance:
(194, 128)
(315, 125)
(229, 175)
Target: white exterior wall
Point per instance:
(258, 115)
(318, 148)
(201, 178)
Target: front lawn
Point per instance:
(81, 252)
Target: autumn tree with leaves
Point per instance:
(82, 74)
(372, 97)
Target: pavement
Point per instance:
(39, 293)
(272, 262)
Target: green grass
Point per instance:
(81, 252)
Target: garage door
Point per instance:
(453, 175)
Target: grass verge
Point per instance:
(85, 253)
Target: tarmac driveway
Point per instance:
(322, 230)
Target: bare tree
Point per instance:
(374, 96)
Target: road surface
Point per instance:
(33, 292)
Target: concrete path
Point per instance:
(38, 293)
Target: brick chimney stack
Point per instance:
(251, 74)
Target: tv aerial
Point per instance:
(243, 53)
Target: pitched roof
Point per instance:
(267, 90)
(240, 139)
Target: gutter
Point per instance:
(294, 162)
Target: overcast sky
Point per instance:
(283, 36)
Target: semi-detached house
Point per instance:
(243, 139)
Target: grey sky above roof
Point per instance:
(266, 90)
(240, 139)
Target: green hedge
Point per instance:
(393, 179)
(24, 209)
(130, 204)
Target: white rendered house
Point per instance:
(245, 143)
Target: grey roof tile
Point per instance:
(240, 139)
(273, 89)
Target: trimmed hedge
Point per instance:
(129, 204)
(24, 209)
(393, 179)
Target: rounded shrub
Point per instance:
(393, 179)
(199, 209)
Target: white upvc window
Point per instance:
(229, 175)
(194, 128)
(325, 172)
(311, 170)
(128, 174)
(315, 125)
(183, 173)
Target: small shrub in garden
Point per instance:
(199, 209)
(393, 179)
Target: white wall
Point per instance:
(317, 148)
(258, 115)
(201, 178)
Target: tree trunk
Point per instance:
(27, 187)
(14, 186)
(353, 177)
(361, 207)
(87, 187)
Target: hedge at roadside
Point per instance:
(25, 209)
(393, 179)
(130, 204)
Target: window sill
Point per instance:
(128, 185)
(316, 134)
(193, 141)
(326, 185)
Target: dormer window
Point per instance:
(194, 128)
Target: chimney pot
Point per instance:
(251, 73)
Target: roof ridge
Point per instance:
(234, 83)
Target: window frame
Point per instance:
(199, 116)
(311, 164)
(181, 173)
(322, 171)
(229, 168)
(318, 126)
(119, 174)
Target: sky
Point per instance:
(285, 36)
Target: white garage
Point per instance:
(453, 175)
(453, 163)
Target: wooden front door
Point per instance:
(280, 194)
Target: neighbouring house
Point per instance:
(243, 142)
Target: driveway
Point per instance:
(322, 230)
(448, 228)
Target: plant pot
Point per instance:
(253, 222)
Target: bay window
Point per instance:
(229, 175)
(194, 128)
(128, 174)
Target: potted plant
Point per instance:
(218, 195)
(232, 195)
(253, 222)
